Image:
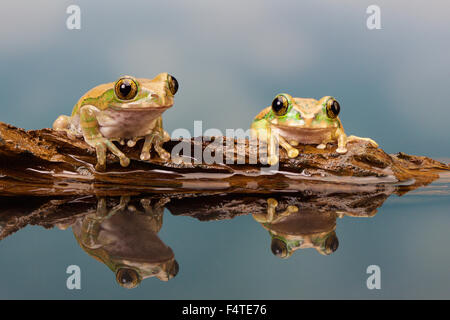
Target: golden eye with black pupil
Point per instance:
(173, 84)
(126, 89)
(127, 278)
(333, 108)
(331, 243)
(280, 105)
(173, 270)
(279, 248)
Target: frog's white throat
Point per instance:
(128, 123)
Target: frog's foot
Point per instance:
(341, 150)
(272, 153)
(272, 203)
(272, 159)
(124, 200)
(321, 146)
(132, 142)
(272, 215)
(355, 138)
(101, 145)
(102, 211)
(271, 206)
(291, 209)
(156, 140)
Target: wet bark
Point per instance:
(48, 163)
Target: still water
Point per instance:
(218, 246)
(231, 59)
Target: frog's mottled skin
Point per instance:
(306, 121)
(292, 229)
(101, 117)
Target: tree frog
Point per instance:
(128, 109)
(295, 229)
(292, 121)
(125, 238)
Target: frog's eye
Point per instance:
(127, 278)
(280, 105)
(173, 84)
(333, 108)
(279, 248)
(173, 270)
(126, 88)
(331, 244)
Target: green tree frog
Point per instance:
(295, 229)
(128, 109)
(293, 121)
(125, 238)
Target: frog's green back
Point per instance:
(265, 112)
(98, 96)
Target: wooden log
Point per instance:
(48, 163)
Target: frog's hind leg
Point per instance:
(61, 123)
(355, 138)
(64, 123)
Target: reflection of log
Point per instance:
(45, 162)
(18, 212)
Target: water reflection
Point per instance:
(125, 238)
(292, 229)
(122, 232)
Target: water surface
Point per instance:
(333, 238)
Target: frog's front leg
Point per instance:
(156, 139)
(92, 135)
(291, 151)
(342, 141)
(271, 215)
(263, 133)
(91, 224)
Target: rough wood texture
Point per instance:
(18, 212)
(45, 162)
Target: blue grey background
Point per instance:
(231, 58)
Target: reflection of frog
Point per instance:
(293, 121)
(126, 241)
(291, 230)
(129, 109)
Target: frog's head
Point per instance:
(305, 112)
(144, 94)
(130, 276)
